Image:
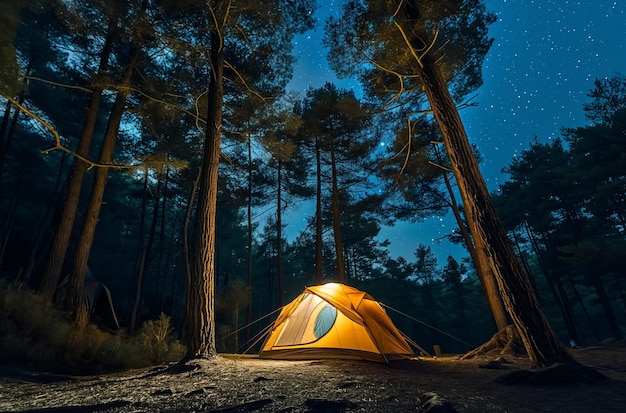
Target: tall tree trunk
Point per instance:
(542, 345)
(141, 239)
(5, 142)
(249, 313)
(279, 238)
(185, 239)
(607, 307)
(8, 226)
(75, 300)
(460, 304)
(201, 291)
(3, 125)
(145, 259)
(7, 134)
(590, 323)
(341, 266)
(618, 285)
(164, 252)
(60, 243)
(560, 295)
(485, 276)
(319, 260)
(35, 250)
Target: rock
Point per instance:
(432, 403)
(261, 378)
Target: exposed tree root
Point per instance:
(555, 374)
(505, 342)
(508, 342)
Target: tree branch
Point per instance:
(84, 89)
(59, 146)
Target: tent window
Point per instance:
(309, 322)
(325, 320)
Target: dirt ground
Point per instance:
(249, 384)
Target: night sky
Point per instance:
(545, 58)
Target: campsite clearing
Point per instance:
(238, 384)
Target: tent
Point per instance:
(335, 321)
(100, 304)
(98, 300)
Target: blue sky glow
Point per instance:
(545, 58)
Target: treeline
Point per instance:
(114, 95)
(564, 207)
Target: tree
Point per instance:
(569, 202)
(427, 277)
(608, 96)
(261, 33)
(56, 257)
(541, 196)
(436, 42)
(336, 121)
(141, 32)
(598, 168)
(453, 274)
(291, 169)
(251, 121)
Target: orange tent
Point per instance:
(335, 321)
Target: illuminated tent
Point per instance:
(335, 321)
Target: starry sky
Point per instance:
(545, 57)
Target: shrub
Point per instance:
(157, 342)
(32, 331)
(36, 335)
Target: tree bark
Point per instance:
(341, 265)
(36, 248)
(146, 254)
(319, 261)
(542, 345)
(485, 276)
(607, 307)
(3, 127)
(60, 244)
(556, 288)
(279, 238)
(249, 314)
(75, 300)
(7, 135)
(185, 239)
(201, 291)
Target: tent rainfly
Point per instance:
(335, 321)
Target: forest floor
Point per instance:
(232, 383)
